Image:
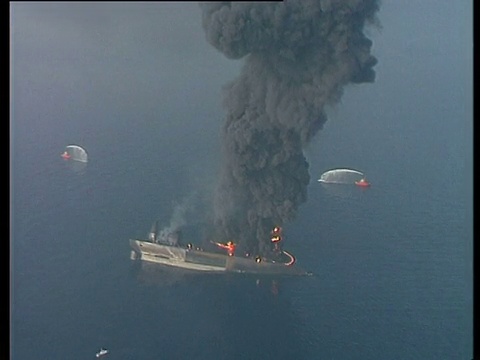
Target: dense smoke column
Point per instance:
(299, 56)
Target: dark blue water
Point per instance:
(392, 268)
(392, 263)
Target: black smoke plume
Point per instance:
(299, 55)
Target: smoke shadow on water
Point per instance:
(207, 316)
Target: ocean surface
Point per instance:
(392, 268)
(392, 263)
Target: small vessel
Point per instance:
(66, 155)
(75, 152)
(362, 182)
(102, 352)
(341, 176)
(344, 176)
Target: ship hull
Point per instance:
(203, 261)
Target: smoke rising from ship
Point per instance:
(184, 212)
(298, 57)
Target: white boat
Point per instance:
(200, 260)
(102, 352)
(165, 248)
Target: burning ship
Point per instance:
(165, 248)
